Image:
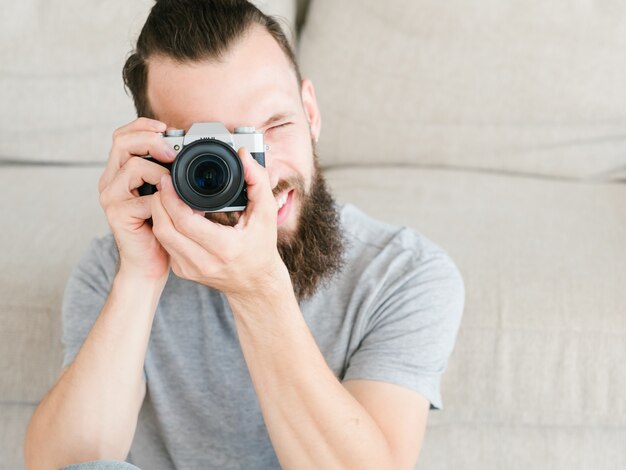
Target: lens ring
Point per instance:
(221, 153)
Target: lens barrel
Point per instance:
(208, 175)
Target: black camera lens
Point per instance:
(208, 175)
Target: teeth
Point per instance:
(281, 200)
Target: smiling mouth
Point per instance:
(284, 200)
(281, 199)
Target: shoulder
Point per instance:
(393, 271)
(406, 296)
(382, 248)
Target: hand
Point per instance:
(240, 261)
(127, 212)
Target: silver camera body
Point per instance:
(207, 173)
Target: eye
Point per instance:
(279, 126)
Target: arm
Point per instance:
(91, 413)
(313, 420)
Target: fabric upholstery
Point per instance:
(13, 421)
(483, 445)
(544, 331)
(61, 74)
(543, 337)
(494, 128)
(534, 87)
(46, 238)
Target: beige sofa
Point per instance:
(496, 128)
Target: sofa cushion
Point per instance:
(14, 418)
(543, 337)
(521, 447)
(61, 84)
(537, 88)
(49, 216)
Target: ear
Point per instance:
(311, 110)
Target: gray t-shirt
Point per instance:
(392, 314)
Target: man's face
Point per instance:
(254, 84)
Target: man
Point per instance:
(294, 334)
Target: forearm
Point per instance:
(312, 420)
(92, 411)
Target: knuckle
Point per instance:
(133, 164)
(140, 204)
(182, 224)
(102, 183)
(176, 269)
(183, 272)
(117, 147)
(103, 199)
(132, 168)
(111, 212)
(122, 172)
(106, 198)
(206, 271)
(117, 133)
(157, 230)
(229, 254)
(162, 234)
(143, 121)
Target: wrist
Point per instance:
(142, 277)
(267, 292)
(132, 299)
(134, 283)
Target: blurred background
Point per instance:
(495, 128)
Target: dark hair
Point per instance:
(193, 30)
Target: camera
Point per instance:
(207, 173)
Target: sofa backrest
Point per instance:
(527, 86)
(61, 89)
(520, 86)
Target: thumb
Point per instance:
(259, 189)
(256, 176)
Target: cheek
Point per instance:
(290, 152)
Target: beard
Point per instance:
(315, 251)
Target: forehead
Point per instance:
(253, 80)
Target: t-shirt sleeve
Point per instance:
(85, 294)
(412, 324)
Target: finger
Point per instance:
(139, 143)
(131, 176)
(259, 191)
(175, 243)
(191, 223)
(142, 124)
(142, 143)
(137, 210)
